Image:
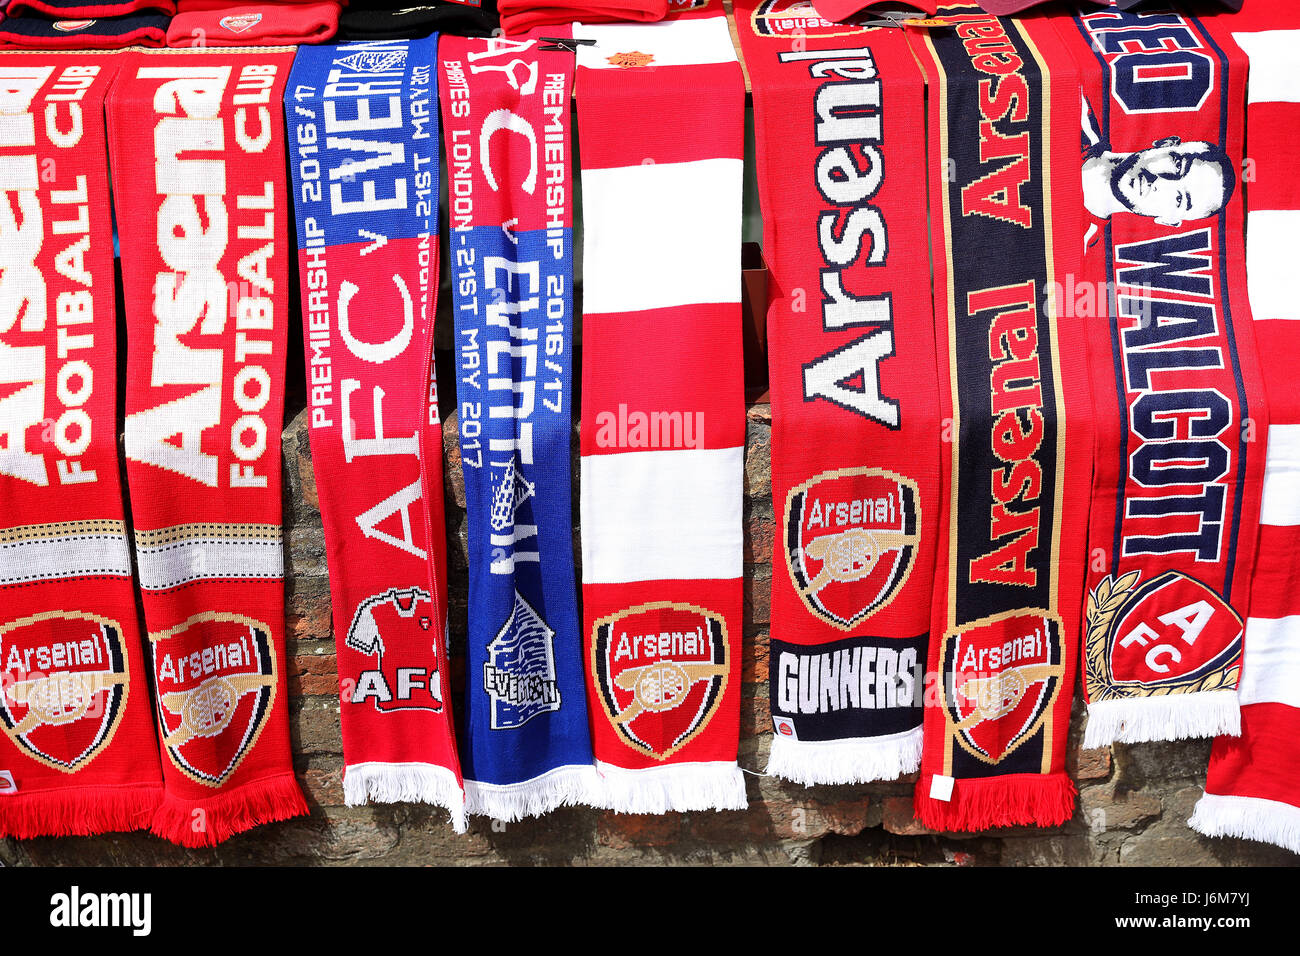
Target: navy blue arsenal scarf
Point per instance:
(1005, 232)
(363, 133)
(527, 745)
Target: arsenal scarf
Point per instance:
(1253, 786)
(506, 123)
(79, 754)
(855, 402)
(1175, 380)
(197, 151)
(1004, 211)
(363, 122)
(660, 114)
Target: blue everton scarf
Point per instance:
(526, 742)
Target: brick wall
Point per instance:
(1133, 802)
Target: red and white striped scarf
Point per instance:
(660, 122)
(1253, 786)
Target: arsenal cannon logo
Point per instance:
(660, 672)
(1167, 633)
(215, 675)
(63, 685)
(1001, 676)
(850, 541)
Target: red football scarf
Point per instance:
(520, 16)
(660, 112)
(855, 402)
(254, 24)
(1175, 381)
(79, 753)
(197, 148)
(1253, 787)
(364, 153)
(1005, 225)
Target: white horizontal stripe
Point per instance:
(1281, 501)
(659, 515)
(1272, 251)
(1273, 77)
(670, 42)
(661, 235)
(196, 559)
(1271, 671)
(72, 556)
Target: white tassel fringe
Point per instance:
(405, 783)
(1252, 818)
(856, 760)
(673, 788)
(1138, 720)
(561, 787)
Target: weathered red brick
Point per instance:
(1088, 764)
(623, 830)
(313, 674)
(900, 817)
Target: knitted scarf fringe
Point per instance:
(854, 760)
(672, 788)
(1012, 800)
(1251, 818)
(405, 783)
(79, 811)
(200, 823)
(562, 787)
(1167, 717)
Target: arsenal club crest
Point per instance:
(660, 672)
(241, 22)
(215, 678)
(71, 26)
(1169, 633)
(850, 541)
(64, 685)
(1001, 677)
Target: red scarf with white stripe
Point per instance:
(78, 752)
(202, 212)
(855, 403)
(1176, 386)
(1253, 786)
(660, 121)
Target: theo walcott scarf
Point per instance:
(1253, 786)
(1176, 387)
(79, 753)
(1004, 207)
(197, 150)
(660, 115)
(363, 132)
(506, 108)
(855, 400)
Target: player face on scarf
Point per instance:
(1169, 182)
